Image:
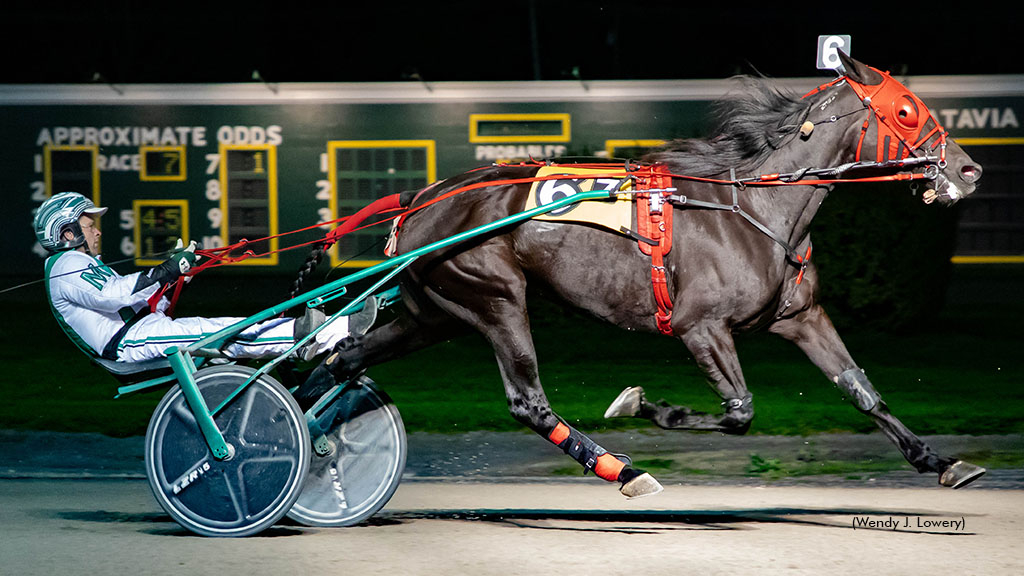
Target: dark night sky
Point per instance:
(127, 41)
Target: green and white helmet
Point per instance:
(60, 213)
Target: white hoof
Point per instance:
(960, 474)
(626, 404)
(642, 485)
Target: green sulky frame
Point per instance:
(184, 366)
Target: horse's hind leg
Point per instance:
(492, 299)
(813, 332)
(712, 347)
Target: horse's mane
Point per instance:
(749, 126)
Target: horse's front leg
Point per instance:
(712, 347)
(813, 332)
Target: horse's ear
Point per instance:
(859, 72)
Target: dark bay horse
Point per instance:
(724, 275)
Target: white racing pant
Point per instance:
(153, 334)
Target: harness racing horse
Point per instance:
(739, 262)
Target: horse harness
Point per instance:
(901, 118)
(654, 232)
(655, 196)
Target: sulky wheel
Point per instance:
(358, 462)
(247, 492)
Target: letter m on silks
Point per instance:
(97, 275)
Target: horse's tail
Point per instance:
(316, 255)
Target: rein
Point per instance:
(824, 177)
(791, 253)
(221, 256)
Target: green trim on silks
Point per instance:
(64, 326)
(170, 339)
(176, 339)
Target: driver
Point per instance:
(109, 316)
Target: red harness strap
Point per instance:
(384, 204)
(654, 221)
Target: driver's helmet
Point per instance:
(60, 213)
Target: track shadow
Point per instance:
(109, 517)
(655, 522)
(616, 521)
(171, 528)
(272, 532)
(372, 522)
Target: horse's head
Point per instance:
(907, 134)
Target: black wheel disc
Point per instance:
(258, 484)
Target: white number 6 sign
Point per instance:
(828, 50)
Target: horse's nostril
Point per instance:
(970, 173)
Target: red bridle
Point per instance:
(901, 119)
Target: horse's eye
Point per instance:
(905, 112)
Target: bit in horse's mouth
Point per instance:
(948, 189)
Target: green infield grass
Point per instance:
(959, 374)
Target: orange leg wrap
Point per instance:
(609, 467)
(586, 452)
(559, 434)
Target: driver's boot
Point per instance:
(357, 324)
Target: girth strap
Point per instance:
(654, 221)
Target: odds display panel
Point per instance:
(505, 128)
(72, 169)
(158, 226)
(362, 171)
(990, 227)
(248, 202)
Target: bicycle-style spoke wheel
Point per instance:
(363, 470)
(252, 489)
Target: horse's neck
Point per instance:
(789, 210)
(785, 210)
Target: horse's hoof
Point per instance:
(642, 485)
(626, 404)
(960, 474)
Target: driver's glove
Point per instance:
(179, 263)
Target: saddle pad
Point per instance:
(608, 214)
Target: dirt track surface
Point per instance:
(495, 503)
(76, 526)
